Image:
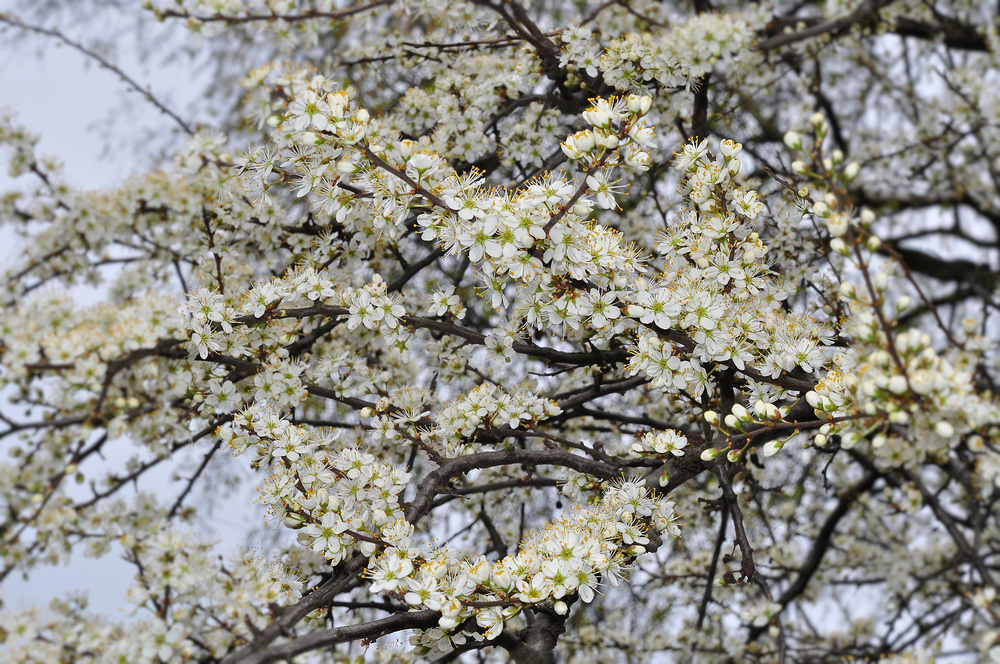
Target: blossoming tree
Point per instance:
(496, 299)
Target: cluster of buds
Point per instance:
(619, 134)
(741, 420)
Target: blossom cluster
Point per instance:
(662, 443)
(677, 57)
(486, 406)
(571, 557)
(339, 498)
(909, 401)
(716, 288)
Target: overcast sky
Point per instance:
(79, 109)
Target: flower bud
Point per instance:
(881, 281)
(874, 243)
(772, 447)
(366, 412)
(709, 454)
(712, 417)
(734, 455)
(944, 429)
(847, 290)
(840, 246)
(741, 412)
(732, 422)
(851, 171)
(793, 140)
(820, 209)
(867, 216)
(850, 440)
(799, 167)
(760, 409)
(819, 440)
(560, 608)
(897, 385)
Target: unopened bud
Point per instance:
(897, 385)
(850, 440)
(820, 209)
(772, 447)
(944, 429)
(760, 409)
(709, 454)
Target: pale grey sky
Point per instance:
(71, 102)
